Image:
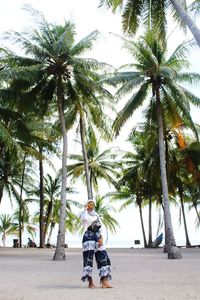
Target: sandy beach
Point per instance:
(30, 274)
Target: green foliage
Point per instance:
(104, 210)
(153, 68)
(7, 227)
(146, 13)
(102, 165)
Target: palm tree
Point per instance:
(17, 185)
(27, 222)
(191, 156)
(24, 126)
(51, 194)
(102, 165)
(44, 138)
(145, 166)
(12, 121)
(181, 195)
(7, 227)
(89, 107)
(139, 183)
(129, 196)
(160, 76)
(16, 172)
(53, 63)
(191, 160)
(155, 10)
(192, 194)
(25, 184)
(178, 182)
(71, 223)
(52, 205)
(175, 143)
(11, 147)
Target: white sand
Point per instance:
(30, 274)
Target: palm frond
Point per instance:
(190, 78)
(85, 44)
(129, 86)
(194, 8)
(131, 15)
(8, 141)
(112, 3)
(180, 54)
(133, 103)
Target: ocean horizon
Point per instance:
(128, 244)
(111, 243)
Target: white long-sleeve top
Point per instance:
(88, 217)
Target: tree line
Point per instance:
(51, 87)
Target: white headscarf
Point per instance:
(90, 200)
(88, 217)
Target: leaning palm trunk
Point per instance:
(20, 202)
(188, 244)
(3, 240)
(198, 215)
(85, 158)
(47, 217)
(150, 242)
(170, 246)
(50, 232)
(187, 20)
(142, 224)
(41, 221)
(91, 178)
(60, 246)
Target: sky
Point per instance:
(88, 17)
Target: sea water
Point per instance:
(76, 243)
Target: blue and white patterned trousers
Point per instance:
(91, 248)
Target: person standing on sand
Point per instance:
(93, 245)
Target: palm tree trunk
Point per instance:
(150, 242)
(47, 217)
(184, 219)
(142, 225)
(41, 221)
(85, 158)
(187, 20)
(198, 216)
(166, 157)
(173, 252)
(20, 202)
(60, 246)
(50, 233)
(3, 240)
(1, 189)
(91, 175)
